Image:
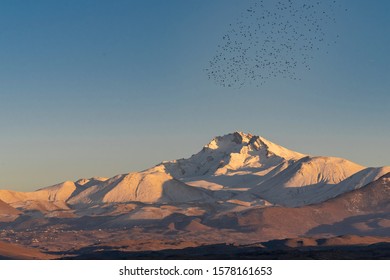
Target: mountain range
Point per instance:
(239, 182)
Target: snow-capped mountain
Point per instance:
(231, 154)
(237, 168)
(241, 163)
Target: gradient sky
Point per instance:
(99, 88)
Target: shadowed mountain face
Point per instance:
(239, 188)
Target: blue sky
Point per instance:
(98, 88)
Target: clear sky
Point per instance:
(99, 88)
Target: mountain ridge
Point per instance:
(235, 166)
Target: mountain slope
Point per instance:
(345, 213)
(146, 187)
(59, 192)
(307, 181)
(7, 212)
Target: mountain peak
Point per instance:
(235, 138)
(231, 139)
(236, 141)
(233, 152)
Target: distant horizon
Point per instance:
(98, 88)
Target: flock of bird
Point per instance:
(272, 39)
